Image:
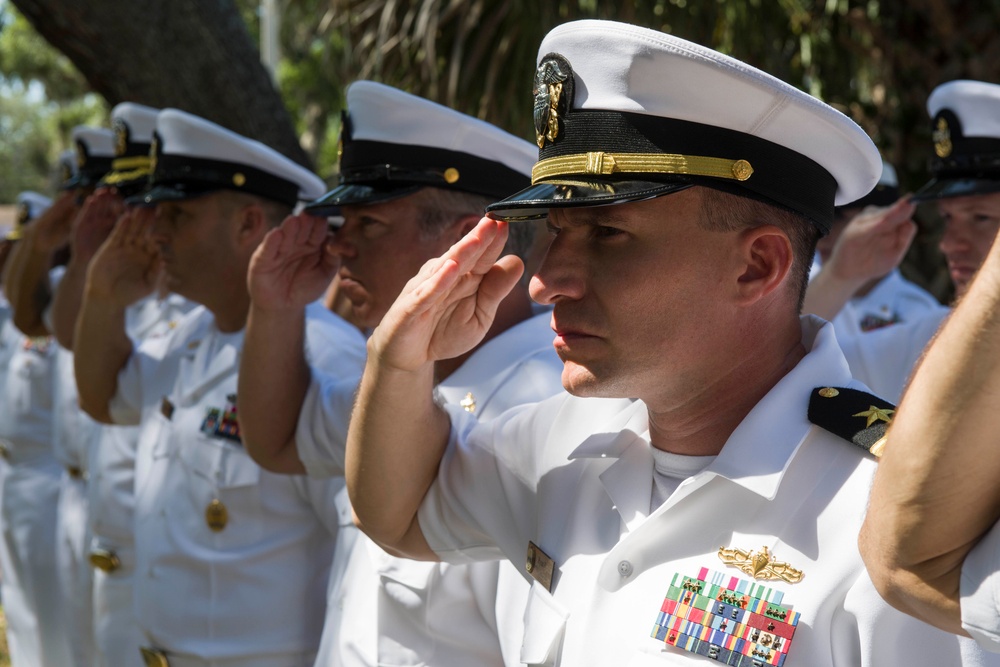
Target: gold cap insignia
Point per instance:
(553, 93)
(759, 564)
(121, 137)
(942, 139)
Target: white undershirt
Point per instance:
(669, 470)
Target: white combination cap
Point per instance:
(192, 157)
(67, 168)
(885, 192)
(394, 143)
(133, 126)
(624, 113)
(30, 205)
(95, 148)
(965, 127)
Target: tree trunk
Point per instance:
(194, 55)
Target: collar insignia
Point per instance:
(553, 93)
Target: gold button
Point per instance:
(828, 392)
(216, 515)
(451, 175)
(105, 560)
(239, 179)
(742, 170)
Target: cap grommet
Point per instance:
(239, 179)
(451, 175)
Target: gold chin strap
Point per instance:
(600, 163)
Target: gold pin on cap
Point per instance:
(451, 175)
(216, 515)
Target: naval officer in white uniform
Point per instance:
(415, 176)
(231, 562)
(677, 506)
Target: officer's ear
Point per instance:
(765, 255)
(251, 224)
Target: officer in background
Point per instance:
(678, 500)
(31, 596)
(222, 548)
(74, 431)
(887, 299)
(930, 539)
(415, 177)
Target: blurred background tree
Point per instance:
(875, 60)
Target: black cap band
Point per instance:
(780, 175)
(202, 175)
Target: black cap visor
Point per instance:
(351, 194)
(534, 202)
(944, 188)
(162, 192)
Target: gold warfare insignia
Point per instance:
(553, 93)
(759, 564)
(942, 138)
(121, 137)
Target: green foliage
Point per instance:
(42, 98)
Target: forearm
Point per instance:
(66, 303)
(827, 294)
(394, 446)
(102, 350)
(26, 284)
(273, 382)
(935, 493)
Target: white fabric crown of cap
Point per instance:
(95, 147)
(394, 143)
(885, 192)
(196, 156)
(965, 128)
(30, 205)
(639, 92)
(133, 126)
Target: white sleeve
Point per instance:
(980, 591)
(887, 637)
(321, 432)
(125, 407)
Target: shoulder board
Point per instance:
(855, 416)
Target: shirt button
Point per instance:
(625, 568)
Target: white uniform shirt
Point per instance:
(980, 591)
(892, 301)
(884, 360)
(574, 476)
(28, 376)
(255, 584)
(392, 611)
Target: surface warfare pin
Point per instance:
(729, 620)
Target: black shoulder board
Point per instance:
(856, 416)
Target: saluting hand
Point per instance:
(94, 222)
(447, 308)
(51, 230)
(128, 264)
(874, 242)
(294, 264)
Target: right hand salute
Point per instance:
(447, 308)
(294, 265)
(128, 265)
(52, 228)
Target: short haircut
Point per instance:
(724, 212)
(440, 208)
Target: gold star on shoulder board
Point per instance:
(875, 414)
